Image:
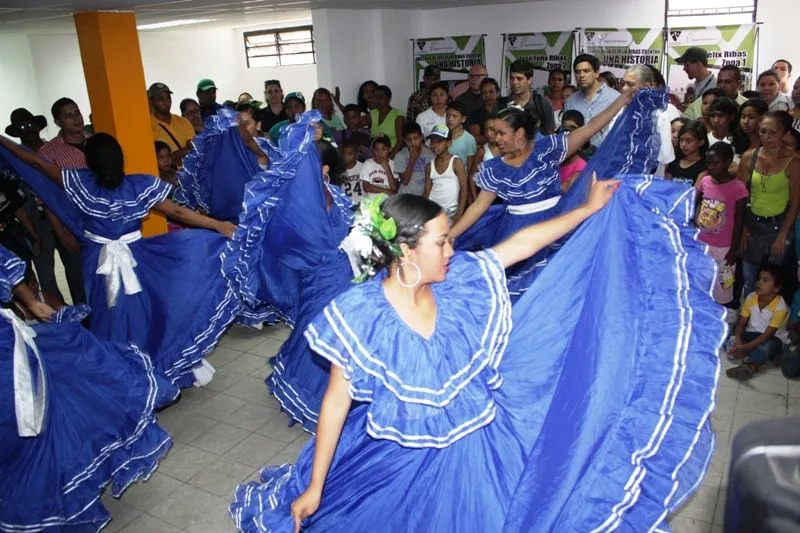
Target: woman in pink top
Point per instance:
(572, 167)
(721, 204)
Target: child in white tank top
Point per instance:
(446, 176)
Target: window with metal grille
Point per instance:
(701, 13)
(280, 47)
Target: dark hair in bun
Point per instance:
(329, 155)
(521, 119)
(410, 213)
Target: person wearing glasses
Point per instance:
(472, 98)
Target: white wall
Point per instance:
(19, 77)
(179, 58)
(355, 45)
(777, 38)
(381, 50)
(550, 15)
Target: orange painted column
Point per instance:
(112, 65)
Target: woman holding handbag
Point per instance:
(772, 176)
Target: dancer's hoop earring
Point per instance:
(400, 275)
(517, 146)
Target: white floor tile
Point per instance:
(220, 438)
(221, 477)
(701, 505)
(186, 462)
(149, 524)
(255, 451)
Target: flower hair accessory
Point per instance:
(370, 228)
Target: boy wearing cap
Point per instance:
(446, 175)
(173, 130)
(420, 100)
(695, 65)
(207, 98)
(294, 104)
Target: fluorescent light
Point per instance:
(172, 24)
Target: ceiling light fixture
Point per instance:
(172, 24)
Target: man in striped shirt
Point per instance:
(66, 148)
(66, 151)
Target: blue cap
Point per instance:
(441, 131)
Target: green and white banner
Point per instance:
(547, 51)
(726, 45)
(621, 48)
(453, 55)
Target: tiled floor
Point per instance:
(223, 434)
(227, 431)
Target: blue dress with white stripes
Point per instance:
(591, 413)
(76, 414)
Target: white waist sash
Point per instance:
(526, 209)
(30, 397)
(116, 263)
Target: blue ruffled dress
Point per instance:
(590, 414)
(532, 193)
(87, 419)
(216, 169)
(180, 302)
(298, 257)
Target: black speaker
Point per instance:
(764, 484)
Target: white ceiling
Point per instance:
(54, 16)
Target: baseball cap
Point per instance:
(432, 70)
(295, 95)
(693, 54)
(156, 89)
(206, 84)
(441, 131)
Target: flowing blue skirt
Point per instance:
(630, 148)
(99, 429)
(603, 416)
(300, 376)
(217, 168)
(291, 227)
(185, 305)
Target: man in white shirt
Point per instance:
(729, 80)
(784, 70)
(635, 78)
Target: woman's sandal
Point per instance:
(742, 372)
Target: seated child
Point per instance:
(761, 330)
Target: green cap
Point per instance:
(206, 84)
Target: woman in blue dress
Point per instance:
(166, 294)
(223, 158)
(300, 219)
(439, 416)
(526, 178)
(75, 415)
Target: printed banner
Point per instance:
(547, 51)
(621, 48)
(453, 55)
(726, 45)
